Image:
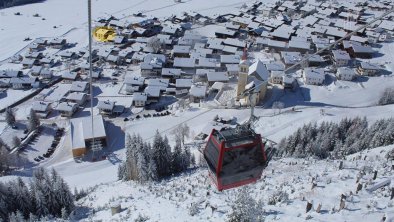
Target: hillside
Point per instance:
(171, 199)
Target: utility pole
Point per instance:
(92, 145)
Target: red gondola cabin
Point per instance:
(235, 157)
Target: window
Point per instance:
(241, 164)
(211, 155)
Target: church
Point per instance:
(255, 75)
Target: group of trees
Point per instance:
(47, 196)
(335, 140)
(7, 160)
(387, 97)
(151, 162)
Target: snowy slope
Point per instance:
(170, 200)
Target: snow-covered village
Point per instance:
(197, 110)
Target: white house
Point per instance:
(133, 83)
(36, 70)
(24, 82)
(288, 82)
(277, 77)
(106, 107)
(197, 92)
(341, 58)
(139, 99)
(46, 73)
(313, 76)
(345, 73)
(42, 108)
(67, 109)
(368, 69)
(79, 86)
(77, 97)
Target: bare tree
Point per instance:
(155, 43)
(181, 132)
(278, 106)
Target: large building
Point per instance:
(255, 75)
(82, 136)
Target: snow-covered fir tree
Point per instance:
(245, 208)
(10, 116)
(34, 120)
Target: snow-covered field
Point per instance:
(70, 18)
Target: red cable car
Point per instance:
(235, 157)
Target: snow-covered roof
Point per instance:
(27, 61)
(106, 105)
(217, 77)
(184, 49)
(76, 96)
(340, 55)
(69, 75)
(40, 106)
(291, 57)
(371, 66)
(230, 59)
(36, 69)
(199, 90)
(275, 66)
(153, 91)
(259, 71)
(288, 79)
(345, 71)
(46, 72)
(386, 24)
(229, 49)
(297, 44)
(81, 130)
(161, 83)
(283, 31)
(234, 42)
(184, 62)
(232, 67)
(362, 48)
(23, 80)
(10, 73)
(171, 72)
(137, 96)
(331, 31)
(66, 106)
(314, 73)
(225, 32)
(79, 86)
(183, 83)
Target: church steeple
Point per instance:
(243, 71)
(245, 52)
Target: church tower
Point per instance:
(243, 72)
